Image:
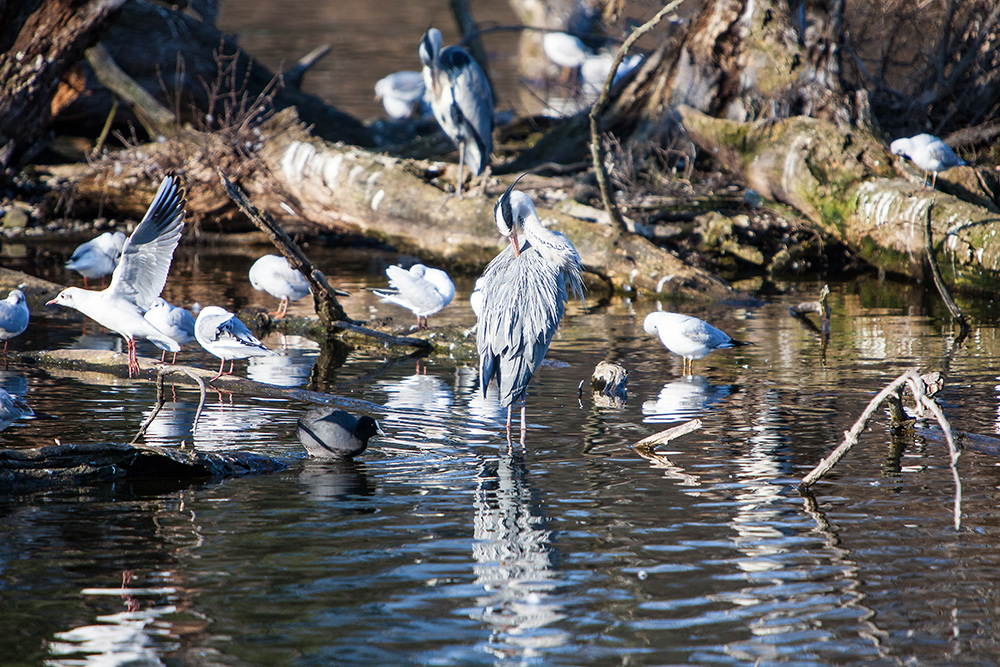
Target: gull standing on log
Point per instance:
(139, 277)
(97, 257)
(223, 334)
(402, 94)
(461, 100)
(927, 152)
(421, 290)
(172, 320)
(522, 299)
(687, 336)
(273, 274)
(14, 317)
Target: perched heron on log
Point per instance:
(522, 297)
(927, 152)
(461, 100)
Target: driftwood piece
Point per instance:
(922, 387)
(646, 448)
(112, 363)
(23, 471)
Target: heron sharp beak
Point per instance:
(514, 243)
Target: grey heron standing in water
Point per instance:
(461, 100)
(523, 294)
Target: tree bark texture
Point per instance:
(40, 40)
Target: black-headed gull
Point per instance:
(421, 290)
(223, 334)
(13, 317)
(327, 433)
(172, 320)
(927, 152)
(12, 408)
(402, 94)
(687, 336)
(139, 277)
(98, 257)
(272, 274)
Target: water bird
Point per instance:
(327, 433)
(12, 408)
(461, 100)
(595, 69)
(273, 274)
(927, 152)
(523, 295)
(98, 257)
(688, 337)
(139, 277)
(13, 317)
(421, 290)
(402, 94)
(174, 321)
(223, 334)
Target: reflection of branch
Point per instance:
(645, 448)
(938, 280)
(165, 370)
(922, 388)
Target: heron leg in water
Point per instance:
(524, 423)
(461, 167)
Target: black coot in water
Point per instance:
(334, 434)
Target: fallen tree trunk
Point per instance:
(341, 188)
(845, 184)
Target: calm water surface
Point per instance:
(441, 547)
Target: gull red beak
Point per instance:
(513, 242)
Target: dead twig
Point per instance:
(922, 387)
(942, 289)
(597, 146)
(160, 398)
(646, 449)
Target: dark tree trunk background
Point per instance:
(40, 40)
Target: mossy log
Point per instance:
(24, 471)
(847, 185)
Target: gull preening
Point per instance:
(139, 277)
(927, 152)
(13, 317)
(461, 100)
(97, 257)
(273, 274)
(327, 433)
(223, 334)
(402, 94)
(688, 337)
(421, 290)
(174, 321)
(522, 297)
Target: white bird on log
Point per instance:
(332, 434)
(927, 152)
(402, 94)
(421, 290)
(139, 277)
(172, 320)
(523, 297)
(688, 337)
(98, 257)
(223, 334)
(461, 100)
(272, 274)
(14, 317)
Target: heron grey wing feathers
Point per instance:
(523, 302)
(142, 271)
(472, 111)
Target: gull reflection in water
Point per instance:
(421, 402)
(513, 553)
(290, 367)
(687, 398)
